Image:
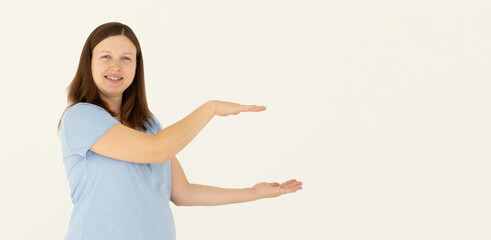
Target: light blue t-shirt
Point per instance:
(113, 199)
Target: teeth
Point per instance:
(113, 78)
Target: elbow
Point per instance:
(161, 150)
(176, 200)
(160, 156)
(181, 202)
(157, 152)
(181, 194)
(177, 203)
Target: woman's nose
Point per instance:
(115, 66)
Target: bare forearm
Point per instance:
(177, 136)
(202, 195)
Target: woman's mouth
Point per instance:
(113, 79)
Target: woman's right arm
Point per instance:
(126, 144)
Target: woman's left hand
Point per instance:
(274, 189)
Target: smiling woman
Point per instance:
(118, 159)
(133, 110)
(113, 68)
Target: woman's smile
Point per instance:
(114, 65)
(113, 79)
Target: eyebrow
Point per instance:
(110, 52)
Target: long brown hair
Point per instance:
(134, 108)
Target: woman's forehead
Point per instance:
(116, 44)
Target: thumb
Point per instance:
(274, 184)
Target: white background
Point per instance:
(381, 108)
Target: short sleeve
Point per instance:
(81, 126)
(155, 123)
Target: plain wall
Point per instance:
(381, 108)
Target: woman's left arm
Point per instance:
(188, 194)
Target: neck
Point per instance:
(114, 104)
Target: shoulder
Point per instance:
(83, 109)
(86, 114)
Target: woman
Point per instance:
(118, 159)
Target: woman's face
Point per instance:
(113, 65)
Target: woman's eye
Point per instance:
(105, 56)
(127, 58)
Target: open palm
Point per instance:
(274, 189)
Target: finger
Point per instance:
(296, 188)
(293, 184)
(293, 188)
(252, 108)
(288, 182)
(290, 190)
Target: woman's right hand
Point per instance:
(227, 108)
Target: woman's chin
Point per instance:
(112, 93)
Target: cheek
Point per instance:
(130, 71)
(96, 70)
